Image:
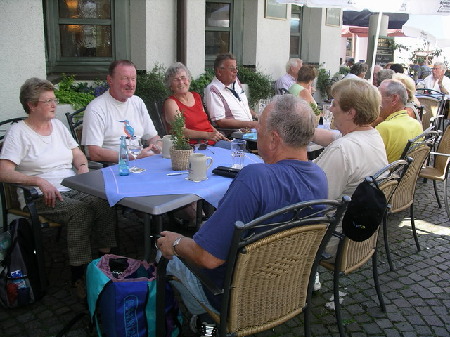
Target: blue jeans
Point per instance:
(189, 287)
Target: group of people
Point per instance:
(40, 151)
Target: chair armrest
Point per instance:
(440, 154)
(30, 193)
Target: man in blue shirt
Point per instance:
(286, 177)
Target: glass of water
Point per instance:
(327, 116)
(238, 152)
(135, 148)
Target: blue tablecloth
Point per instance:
(154, 180)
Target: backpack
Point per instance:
(365, 211)
(121, 296)
(19, 277)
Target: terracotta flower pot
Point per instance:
(180, 159)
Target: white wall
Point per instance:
(329, 45)
(138, 33)
(271, 46)
(195, 37)
(160, 42)
(21, 50)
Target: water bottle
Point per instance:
(124, 167)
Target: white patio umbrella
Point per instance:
(433, 28)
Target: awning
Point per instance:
(361, 19)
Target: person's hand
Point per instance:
(146, 152)
(165, 243)
(155, 148)
(50, 193)
(216, 136)
(83, 169)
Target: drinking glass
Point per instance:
(135, 147)
(327, 116)
(238, 152)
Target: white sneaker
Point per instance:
(317, 285)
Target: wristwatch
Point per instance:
(175, 243)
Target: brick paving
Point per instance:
(417, 293)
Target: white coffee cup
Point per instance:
(167, 143)
(198, 165)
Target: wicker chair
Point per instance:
(418, 149)
(10, 205)
(439, 170)
(433, 104)
(352, 255)
(270, 275)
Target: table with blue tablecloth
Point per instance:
(153, 191)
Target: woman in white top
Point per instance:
(360, 152)
(40, 151)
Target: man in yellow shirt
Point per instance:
(397, 126)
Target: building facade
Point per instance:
(44, 38)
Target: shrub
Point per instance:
(78, 94)
(260, 84)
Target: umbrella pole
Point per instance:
(375, 46)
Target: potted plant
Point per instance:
(181, 149)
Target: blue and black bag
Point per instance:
(121, 295)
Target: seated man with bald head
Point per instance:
(397, 126)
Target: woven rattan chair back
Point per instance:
(271, 266)
(356, 254)
(352, 255)
(275, 271)
(430, 109)
(403, 196)
(441, 162)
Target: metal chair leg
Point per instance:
(446, 198)
(376, 280)
(436, 194)
(386, 244)
(337, 304)
(413, 226)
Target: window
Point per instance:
(296, 29)
(85, 35)
(224, 22)
(217, 29)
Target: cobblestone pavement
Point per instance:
(417, 293)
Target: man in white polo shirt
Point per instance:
(226, 102)
(437, 80)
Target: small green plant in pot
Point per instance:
(181, 149)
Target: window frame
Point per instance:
(296, 10)
(235, 30)
(119, 23)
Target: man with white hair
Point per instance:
(290, 78)
(437, 80)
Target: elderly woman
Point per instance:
(360, 152)
(413, 102)
(358, 70)
(40, 151)
(197, 126)
(303, 87)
